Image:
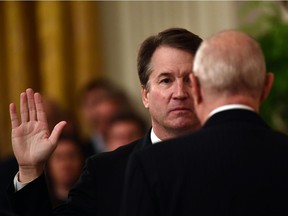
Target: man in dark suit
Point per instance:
(164, 66)
(235, 164)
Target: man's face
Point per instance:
(98, 109)
(123, 132)
(90, 105)
(168, 97)
(65, 164)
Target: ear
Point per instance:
(145, 93)
(268, 86)
(197, 97)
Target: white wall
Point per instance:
(125, 24)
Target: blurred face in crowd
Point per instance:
(168, 93)
(90, 102)
(65, 164)
(98, 109)
(123, 132)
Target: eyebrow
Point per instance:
(170, 74)
(164, 74)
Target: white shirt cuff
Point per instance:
(17, 184)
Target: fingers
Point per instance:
(31, 108)
(57, 131)
(24, 108)
(41, 115)
(13, 116)
(31, 104)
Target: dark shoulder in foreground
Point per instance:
(205, 139)
(119, 155)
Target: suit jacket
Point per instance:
(234, 165)
(98, 191)
(89, 148)
(8, 168)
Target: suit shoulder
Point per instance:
(121, 153)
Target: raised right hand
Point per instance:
(31, 140)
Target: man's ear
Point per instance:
(145, 93)
(197, 97)
(267, 87)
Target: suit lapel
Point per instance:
(143, 142)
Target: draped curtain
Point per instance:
(50, 46)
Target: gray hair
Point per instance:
(230, 62)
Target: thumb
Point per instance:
(57, 131)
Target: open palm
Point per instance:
(31, 141)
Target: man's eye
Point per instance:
(187, 80)
(165, 80)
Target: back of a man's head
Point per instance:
(230, 63)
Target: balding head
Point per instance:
(232, 63)
(229, 68)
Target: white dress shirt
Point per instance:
(154, 138)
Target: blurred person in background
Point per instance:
(64, 167)
(55, 113)
(100, 100)
(124, 128)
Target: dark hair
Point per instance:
(96, 84)
(72, 136)
(173, 37)
(108, 91)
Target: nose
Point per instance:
(180, 91)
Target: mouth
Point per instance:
(181, 109)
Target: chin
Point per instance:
(184, 125)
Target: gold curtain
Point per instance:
(53, 47)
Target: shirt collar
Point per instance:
(154, 138)
(229, 107)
